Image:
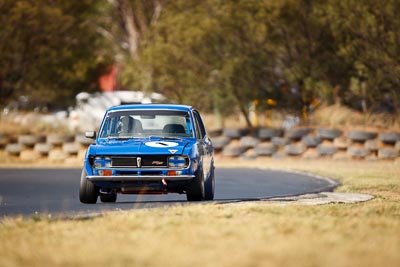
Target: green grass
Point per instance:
(247, 234)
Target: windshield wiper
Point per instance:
(165, 138)
(122, 137)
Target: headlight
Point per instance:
(178, 162)
(107, 162)
(100, 162)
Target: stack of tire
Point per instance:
(389, 145)
(231, 143)
(332, 143)
(306, 143)
(299, 141)
(54, 147)
(264, 142)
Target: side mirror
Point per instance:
(90, 134)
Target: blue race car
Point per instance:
(149, 149)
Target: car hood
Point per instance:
(139, 147)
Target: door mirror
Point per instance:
(90, 134)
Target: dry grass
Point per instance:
(16, 123)
(336, 116)
(252, 234)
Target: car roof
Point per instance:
(151, 106)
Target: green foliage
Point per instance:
(48, 49)
(210, 51)
(368, 34)
(231, 52)
(224, 53)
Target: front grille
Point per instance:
(156, 161)
(123, 161)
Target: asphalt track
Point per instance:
(30, 192)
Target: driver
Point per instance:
(125, 125)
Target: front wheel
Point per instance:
(88, 192)
(195, 189)
(209, 186)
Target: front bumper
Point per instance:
(128, 178)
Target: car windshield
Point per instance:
(147, 123)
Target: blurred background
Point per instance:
(246, 63)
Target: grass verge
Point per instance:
(249, 234)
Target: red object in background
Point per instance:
(108, 81)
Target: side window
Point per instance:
(105, 129)
(200, 130)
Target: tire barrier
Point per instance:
(307, 143)
(53, 147)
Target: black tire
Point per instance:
(195, 189)
(71, 148)
(233, 150)
(209, 186)
(311, 141)
(329, 134)
(234, 133)
(28, 140)
(361, 136)
(294, 150)
(298, 133)
(14, 149)
(88, 192)
(249, 141)
(389, 138)
(280, 141)
(43, 148)
(268, 133)
(108, 198)
(220, 142)
(326, 150)
(388, 153)
(358, 152)
(59, 139)
(266, 149)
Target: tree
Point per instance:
(212, 51)
(369, 36)
(126, 25)
(50, 49)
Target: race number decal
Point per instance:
(161, 144)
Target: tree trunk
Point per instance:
(245, 113)
(131, 29)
